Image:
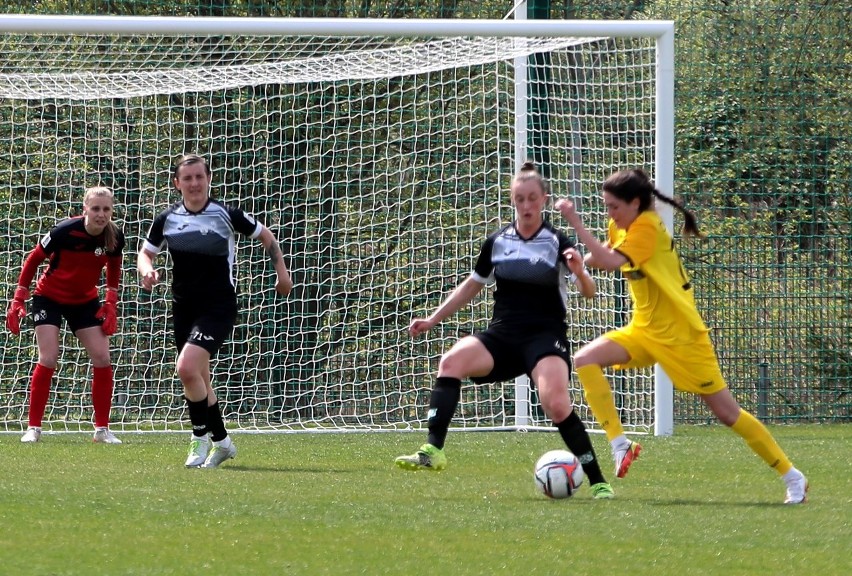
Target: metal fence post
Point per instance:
(763, 391)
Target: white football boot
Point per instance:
(104, 436)
(221, 451)
(198, 448)
(33, 434)
(797, 488)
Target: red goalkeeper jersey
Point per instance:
(75, 262)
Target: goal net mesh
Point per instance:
(381, 164)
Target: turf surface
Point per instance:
(698, 502)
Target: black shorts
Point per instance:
(50, 312)
(516, 352)
(204, 325)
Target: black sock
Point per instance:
(198, 416)
(442, 406)
(574, 434)
(215, 424)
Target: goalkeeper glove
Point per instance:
(107, 313)
(17, 310)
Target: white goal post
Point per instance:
(379, 152)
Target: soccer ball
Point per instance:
(558, 474)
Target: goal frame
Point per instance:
(662, 31)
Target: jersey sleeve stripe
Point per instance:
(629, 259)
(148, 247)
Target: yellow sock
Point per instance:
(761, 441)
(599, 397)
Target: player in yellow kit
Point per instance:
(665, 327)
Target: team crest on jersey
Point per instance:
(99, 251)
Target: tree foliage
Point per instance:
(763, 155)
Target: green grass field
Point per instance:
(696, 503)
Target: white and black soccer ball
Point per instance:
(558, 474)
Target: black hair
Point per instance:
(627, 185)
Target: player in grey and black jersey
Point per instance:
(529, 276)
(528, 261)
(199, 234)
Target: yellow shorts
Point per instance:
(693, 367)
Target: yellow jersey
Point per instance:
(663, 300)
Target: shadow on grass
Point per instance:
(289, 469)
(714, 503)
(583, 501)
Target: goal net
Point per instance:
(380, 159)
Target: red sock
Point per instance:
(102, 394)
(39, 391)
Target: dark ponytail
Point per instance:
(635, 183)
(690, 224)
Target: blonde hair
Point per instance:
(111, 230)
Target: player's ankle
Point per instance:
(620, 442)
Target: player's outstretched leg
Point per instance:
(221, 451)
(763, 444)
(428, 457)
(103, 435)
(442, 406)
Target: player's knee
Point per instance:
(728, 417)
(449, 365)
(591, 353)
(48, 358)
(51, 362)
(100, 360)
(187, 372)
(461, 364)
(582, 358)
(556, 404)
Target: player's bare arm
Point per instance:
(463, 294)
(600, 255)
(147, 273)
(584, 282)
(284, 283)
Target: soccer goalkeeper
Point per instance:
(77, 250)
